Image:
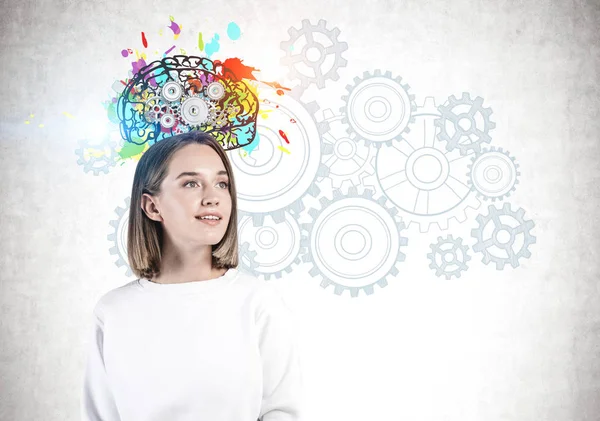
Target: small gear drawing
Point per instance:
(502, 238)
(426, 182)
(448, 257)
(273, 180)
(313, 54)
(378, 108)
(118, 236)
(464, 124)
(99, 160)
(354, 241)
(348, 161)
(493, 174)
(275, 245)
(247, 259)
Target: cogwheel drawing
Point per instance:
(317, 53)
(354, 241)
(378, 108)
(118, 236)
(348, 161)
(97, 157)
(275, 176)
(425, 181)
(464, 124)
(493, 174)
(448, 257)
(503, 236)
(270, 247)
(247, 259)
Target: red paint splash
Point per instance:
(282, 134)
(144, 41)
(233, 69)
(279, 92)
(292, 120)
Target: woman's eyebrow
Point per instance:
(193, 173)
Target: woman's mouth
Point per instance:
(210, 221)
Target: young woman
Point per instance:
(192, 339)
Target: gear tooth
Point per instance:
(327, 113)
(357, 80)
(335, 32)
(322, 23)
(337, 195)
(377, 72)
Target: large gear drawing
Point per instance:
(97, 157)
(354, 241)
(314, 54)
(464, 124)
(448, 257)
(378, 108)
(271, 247)
(493, 174)
(425, 181)
(348, 161)
(275, 176)
(118, 236)
(502, 238)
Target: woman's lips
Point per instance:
(210, 221)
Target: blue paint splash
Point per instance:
(233, 31)
(213, 46)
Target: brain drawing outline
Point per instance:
(183, 93)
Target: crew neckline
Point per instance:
(190, 287)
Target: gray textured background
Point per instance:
(516, 344)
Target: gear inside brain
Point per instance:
(183, 93)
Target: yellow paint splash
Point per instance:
(282, 149)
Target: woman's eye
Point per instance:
(222, 182)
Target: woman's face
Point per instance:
(186, 195)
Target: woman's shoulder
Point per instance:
(114, 296)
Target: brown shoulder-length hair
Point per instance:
(144, 235)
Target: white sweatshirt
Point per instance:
(221, 349)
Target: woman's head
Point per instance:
(166, 199)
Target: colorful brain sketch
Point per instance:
(182, 93)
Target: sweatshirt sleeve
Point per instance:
(282, 398)
(97, 403)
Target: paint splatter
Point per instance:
(234, 70)
(282, 134)
(124, 53)
(200, 42)
(175, 27)
(279, 92)
(213, 46)
(233, 31)
(183, 51)
(282, 149)
(169, 50)
(292, 120)
(137, 65)
(68, 115)
(144, 40)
